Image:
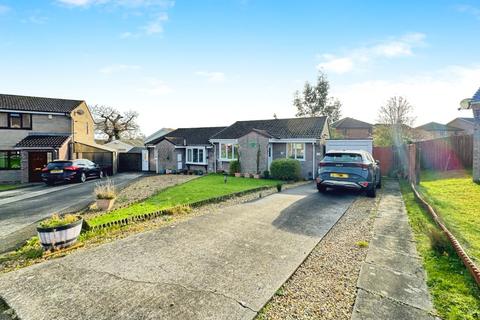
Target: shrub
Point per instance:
(234, 167)
(286, 169)
(105, 190)
(181, 209)
(266, 174)
(56, 221)
(279, 187)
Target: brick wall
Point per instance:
(251, 146)
(167, 156)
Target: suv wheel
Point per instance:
(83, 177)
(321, 188)
(372, 191)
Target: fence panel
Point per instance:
(449, 153)
(385, 156)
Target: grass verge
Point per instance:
(454, 291)
(6, 187)
(453, 194)
(210, 186)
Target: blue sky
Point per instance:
(200, 63)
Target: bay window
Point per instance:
(296, 151)
(228, 151)
(9, 160)
(196, 155)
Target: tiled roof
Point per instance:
(24, 103)
(189, 136)
(471, 120)
(435, 126)
(350, 123)
(42, 141)
(307, 128)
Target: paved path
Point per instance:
(20, 211)
(222, 265)
(392, 280)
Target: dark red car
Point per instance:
(70, 170)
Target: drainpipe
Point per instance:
(155, 154)
(214, 158)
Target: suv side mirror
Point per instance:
(377, 162)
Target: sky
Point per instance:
(212, 62)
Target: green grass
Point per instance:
(454, 291)
(6, 187)
(456, 198)
(203, 188)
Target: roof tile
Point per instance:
(42, 141)
(39, 104)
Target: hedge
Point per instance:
(286, 169)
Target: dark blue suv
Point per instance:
(349, 170)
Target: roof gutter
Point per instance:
(34, 112)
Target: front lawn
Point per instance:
(456, 198)
(454, 291)
(210, 186)
(6, 187)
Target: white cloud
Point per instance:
(212, 76)
(156, 25)
(118, 68)
(435, 96)
(156, 88)
(392, 48)
(474, 11)
(4, 9)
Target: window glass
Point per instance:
(3, 160)
(343, 157)
(3, 120)
(189, 155)
(14, 160)
(26, 120)
(15, 120)
(223, 151)
(290, 151)
(300, 151)
(200, 155)
(228, 151)
(195, 155)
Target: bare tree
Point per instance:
(115, 125)
(395, 121)
(314, 100)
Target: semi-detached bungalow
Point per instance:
(35, 131)
(254, 143)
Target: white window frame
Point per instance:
(295, 151)
(189, 160)
(234, 148)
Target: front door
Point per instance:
(36, 162)
(145, 160)
(270, 155)
(179, 161)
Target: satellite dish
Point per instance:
(465, 103)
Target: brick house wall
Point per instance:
(167, 155)
(354, 133)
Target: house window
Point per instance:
(228, 151)
(296, 151)
(196, 156)
(15, 120)
(9, 160)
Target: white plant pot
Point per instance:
(60, 237)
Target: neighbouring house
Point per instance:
(349, 128)
(434, 130)
(466, 124)
(257, 143)
(37, 130)
(474, 105)
(185, 149)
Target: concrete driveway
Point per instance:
(21, 209)
(222, 265)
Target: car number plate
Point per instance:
(56, 171)
(338, 175)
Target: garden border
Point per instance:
(163, 212)
(467, 261)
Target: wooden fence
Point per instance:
(450, 153)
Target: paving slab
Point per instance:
(391, 284)
(372, 306)
(222, 265)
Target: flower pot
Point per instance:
(61, 236)
(105, 204)
(246, 175)
(238, 174)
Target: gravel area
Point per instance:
(148, 186)
(324, 286)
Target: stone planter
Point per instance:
(105, 204)
(246, 175)
(238, 174)
(61, 236)
(256, 176)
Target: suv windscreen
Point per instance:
(59, 164)
(343, 157)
